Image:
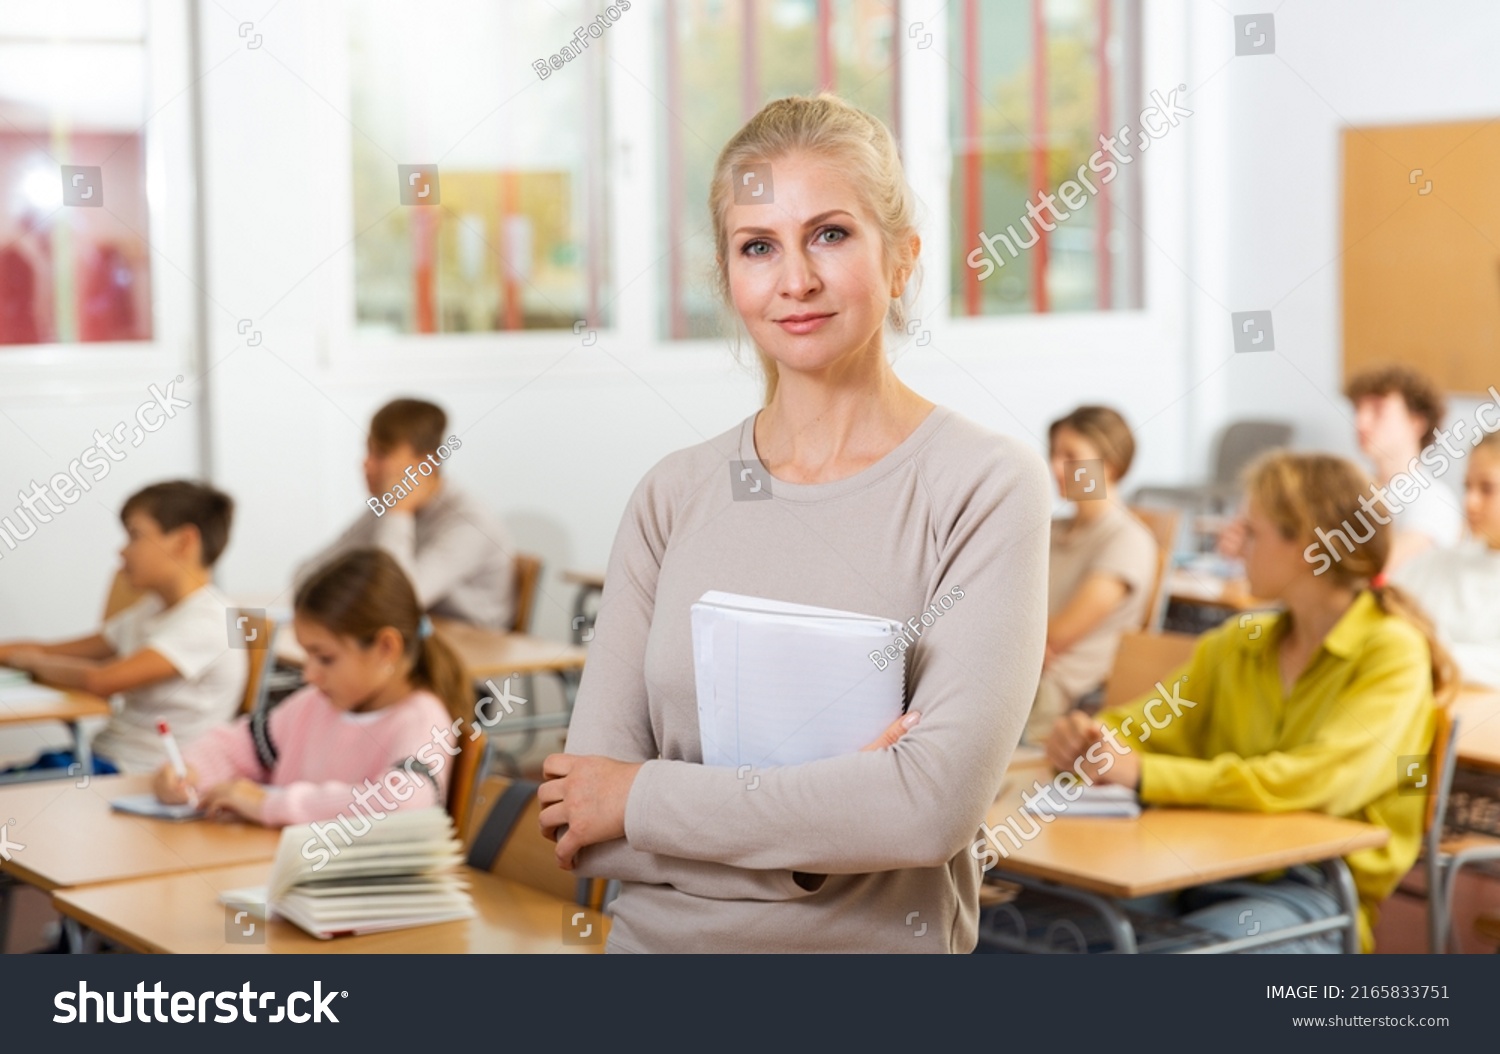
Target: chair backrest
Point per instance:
(1144, 659)
(259, 634)
(1163, 524)
(1442, 762)
(528, 577)
(461, 784)
(1242, 441)
(121, 595)
(504, 836)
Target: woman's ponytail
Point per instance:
(1445, 677)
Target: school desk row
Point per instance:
(153, 886)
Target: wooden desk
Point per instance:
(73, 838)
(1478, 712)
(484, 652)
(488, 653)
(182, 914)
(72, 710)
(1165, 849)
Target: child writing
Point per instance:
(1306, 709)
(1101, 564)
(1460, 587)
(167, 655)
(453, 548)
(375, 710)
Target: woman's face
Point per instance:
(1272, 563)
(806, 270)
(1068, 445)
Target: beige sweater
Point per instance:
(708, 859)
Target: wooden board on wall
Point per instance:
(1421, 241)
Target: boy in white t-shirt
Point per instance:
(168, 655)
(1460, 587)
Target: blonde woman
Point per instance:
(1101, 564)
(1305, 709)
(880, 502)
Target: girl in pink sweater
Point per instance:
(372, 730)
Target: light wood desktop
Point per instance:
(182, 914)
(73, 838)
(1478, 712)
(1167, 849)
(485, 653)
(72, 710)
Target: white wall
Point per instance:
(1338, 64)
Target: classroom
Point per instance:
(1108, 391)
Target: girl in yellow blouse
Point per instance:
(1310, 708)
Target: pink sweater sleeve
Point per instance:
(381, 755)
(224, 753)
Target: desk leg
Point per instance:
(1342, 881)
(82, 752)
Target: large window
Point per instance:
(478, 189)
(1039, 90)
(766, 49)
(74, 247)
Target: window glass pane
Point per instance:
(510, 234)
(724, 60)
(75, 261)
(1034, 87)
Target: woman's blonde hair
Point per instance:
(825, 125)
(1301, 493)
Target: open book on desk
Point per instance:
(405, 870)
(781, 683)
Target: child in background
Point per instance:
(1397, 412)
(455, 550)
(168, 655)
(1101, 567)
(1306, 709)
(1460, 587)
(380, 691)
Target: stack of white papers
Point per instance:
(1101, 799)
(781, 683)
(404, 871)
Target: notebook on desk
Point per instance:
(781, 683)
(1101, 799)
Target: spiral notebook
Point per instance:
(781, 683)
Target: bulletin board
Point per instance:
(1421, 250)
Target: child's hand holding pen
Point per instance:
(175, 783)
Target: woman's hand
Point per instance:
(583, 798)
(894, 731)
(173, 789)
(236, 798)
(583, 801)
(1074, 736)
